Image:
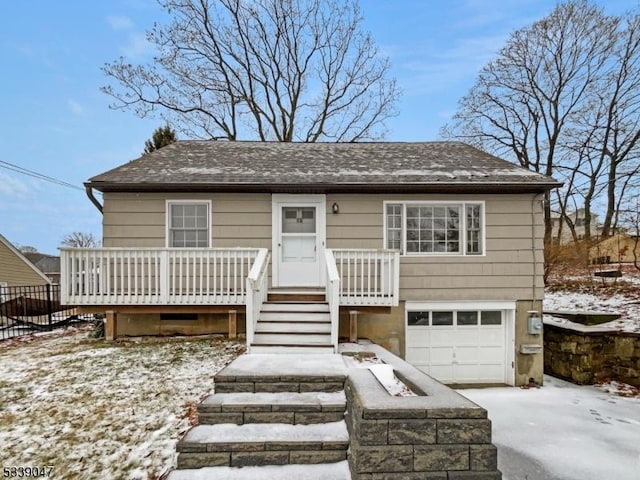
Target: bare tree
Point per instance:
(280, 70)
(530, 99)
(80, 240)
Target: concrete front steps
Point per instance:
(284, 426)
(263, 444)
(293, 322)
(325, 471)
(278, 407)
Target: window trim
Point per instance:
(169, 203)
(463, 226)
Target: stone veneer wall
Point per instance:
(439, 435)
(588, 355)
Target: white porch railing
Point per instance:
(257, 291)
(332, 295)
(155, 276)
(368, 277)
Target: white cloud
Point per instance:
(138, 46)
(431, 69)
(12, 187)
(75, 107)
(119, 22)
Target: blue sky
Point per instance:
(54, 120)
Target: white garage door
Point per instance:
(463, 345)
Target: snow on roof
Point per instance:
(207, 164)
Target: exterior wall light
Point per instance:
(335, 208)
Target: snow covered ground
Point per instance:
(579, 290)
(563, 431)
(92, 409)
(627, 307)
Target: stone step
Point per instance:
(258, 372)
(262, 444)
(294, 316)
(293, 408)
(295, 307)
(293, 327)
(321, 471)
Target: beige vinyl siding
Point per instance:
(505, 272)
(14, 271)
(359, 223)
(139, 219)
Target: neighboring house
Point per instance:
(47, 264)
(618, 248)
(16, 269)
(435, 249)
(578, 219)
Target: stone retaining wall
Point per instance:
(439, 435)
(588, 355)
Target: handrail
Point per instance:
(369, 277)
(257, 291)
(332, 295)
(155, 276)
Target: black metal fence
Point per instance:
(32, 309)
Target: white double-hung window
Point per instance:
(188, 223)
(435, 228)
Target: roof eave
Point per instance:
(477, 187)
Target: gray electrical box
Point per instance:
(534, 326)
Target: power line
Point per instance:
(39, 176)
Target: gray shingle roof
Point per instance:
(273, 166)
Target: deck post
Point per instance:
(353, 326)
(110, 327)
(233, 325)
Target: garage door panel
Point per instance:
(440, 355)
(419, 355)
(493, 337)
(491, 354)
(466, 374)
(467, 354)
(440, 337)
(466, 337)
(443, 373)
(417, 337)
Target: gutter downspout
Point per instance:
(94, 200)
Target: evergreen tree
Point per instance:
(162, 136)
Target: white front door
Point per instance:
(298, 240)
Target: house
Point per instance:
(47, 264)
(16, 269)
(579, 222)
(618, 248)
(432, 249)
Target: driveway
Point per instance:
(563, 431)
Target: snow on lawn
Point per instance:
(93, 409)
(563, 431)
(628, 308)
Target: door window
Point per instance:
(298, 220)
